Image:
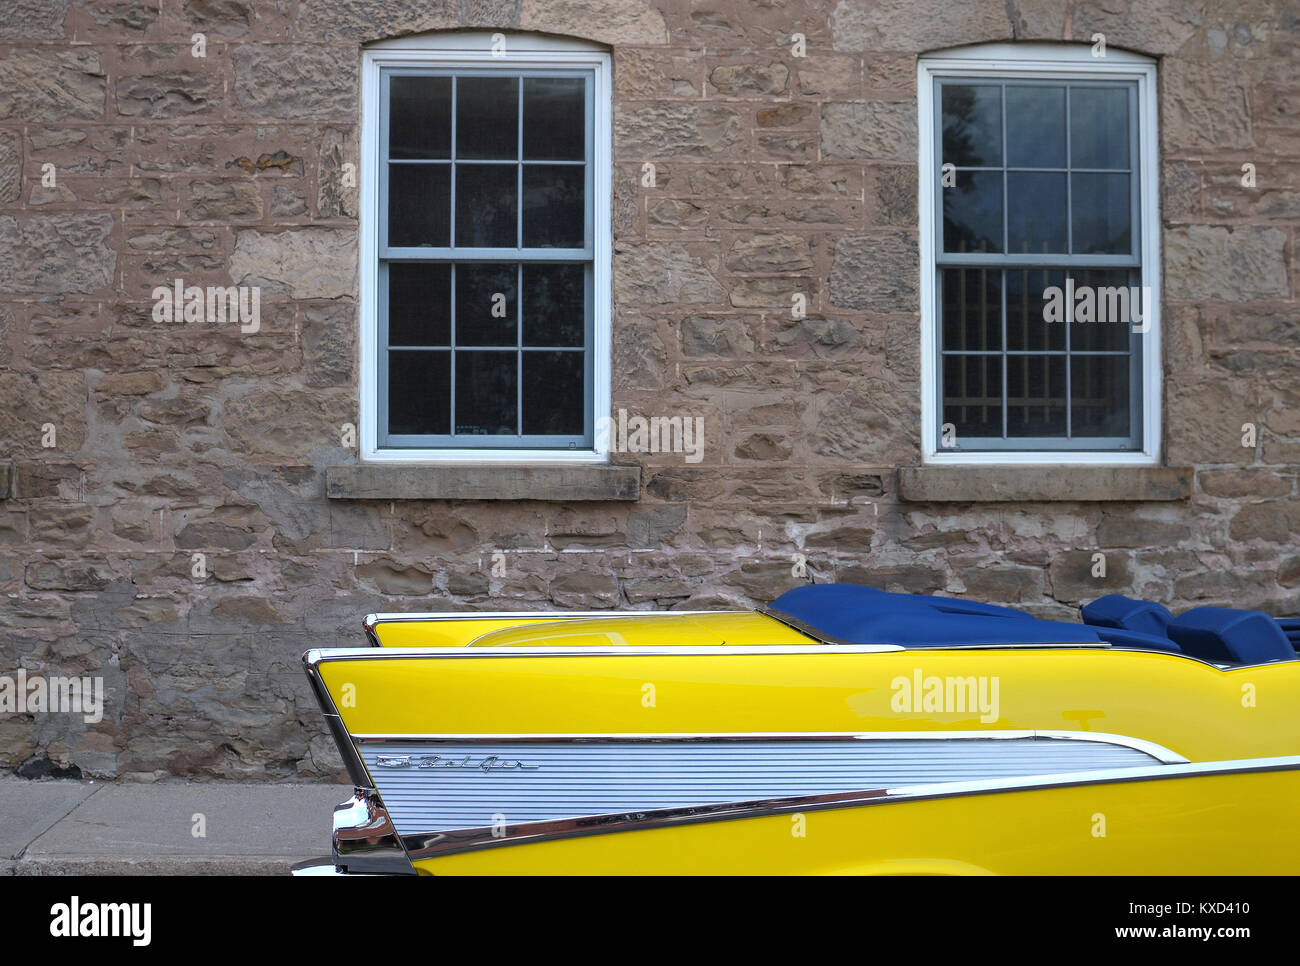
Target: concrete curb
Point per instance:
(58, 827)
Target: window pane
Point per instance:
(419, 302)
(485, 205)
(1101, 214)
(486, 396)
(972, 125)
(972, 395)
(555, 305)
(1026, 327)
(555, 119)
(1035, 395)
(553, 393)
(487, 305)
(1036, 212)
(1106, 298)
(419, 205)
(972, 309)
(487, 118)
(1099, 129)
(1099, 390)
(419, 117)
(419, 393)
(1035, 127)
(972, 213)
(553, 206)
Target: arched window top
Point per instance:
(508, 42)
(1045, 56)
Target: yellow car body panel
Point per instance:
(1196, 710)
(658, 629)
(665, 678)
(1218, 825)
(444, 633)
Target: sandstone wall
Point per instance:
(774, 173)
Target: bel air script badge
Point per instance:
(485, 764)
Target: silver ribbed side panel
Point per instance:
(541, 781)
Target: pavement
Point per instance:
(66, 827)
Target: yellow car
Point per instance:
(839, 730)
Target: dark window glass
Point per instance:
(419, 117)
(1113, 304)
(1099, 395)
(1063, 189)
(487, 304)
(1102, 215)
(554, 305)
(972, 309)
(554, 384)
(555, 119)
(1035, 395)
(486, 162)
(1099, 127)
(972, 395)
(1036, 214)
(972, 213)
(486, 394)
(1027, 327)
(419, 304)
(553, 206)
(419, 393)
(419, 205)
(485, 206)
(1035, 127)
(487, 118)
(972, 125)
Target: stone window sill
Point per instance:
(453, 481)
(1030, 484)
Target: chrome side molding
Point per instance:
(432, 845)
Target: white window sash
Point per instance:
(1041, 61)
(464, 51)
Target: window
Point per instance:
(485, 246)
(1039, 239)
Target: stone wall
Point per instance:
(775, 173)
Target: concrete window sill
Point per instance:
(561, 484)
(1030, 484)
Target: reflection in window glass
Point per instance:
(1037, 269)
(486, 257)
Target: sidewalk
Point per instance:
(92, 828)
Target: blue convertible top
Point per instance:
(851, 614)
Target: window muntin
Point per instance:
(485, 282)
(1047, 192)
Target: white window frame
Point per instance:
(1046, 61)
(474, 49)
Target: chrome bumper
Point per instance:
(322, 866)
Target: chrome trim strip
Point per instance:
(552, 615)
(351, 760)
(318, 654)
(322, 866)
(432, 845)
(379, 846)
(1159, 752)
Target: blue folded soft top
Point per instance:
(863, 615)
